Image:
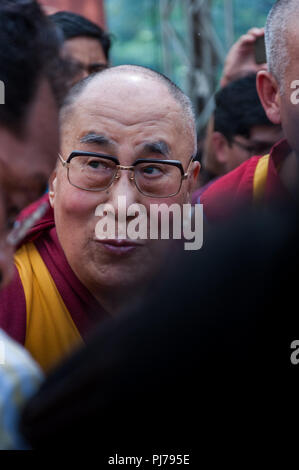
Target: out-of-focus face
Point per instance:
(87, 55)
(261, 140)
(129, 117)
(27, 161)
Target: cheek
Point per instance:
(181, 198)
(74, 208)
(237, 158)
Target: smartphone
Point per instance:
(260, 50)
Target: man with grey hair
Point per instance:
(127, 138)
(263, 179)
(276, 37)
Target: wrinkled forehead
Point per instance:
(131, 103)
(132, 97)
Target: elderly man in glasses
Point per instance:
(127, 132)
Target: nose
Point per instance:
(123, 186)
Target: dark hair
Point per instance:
(73, 25)
(238, 108)
(29, 50)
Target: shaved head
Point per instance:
(282, 16)
(103, 80)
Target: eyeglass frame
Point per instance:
(250, 148)
(78, 153)
(247, 148)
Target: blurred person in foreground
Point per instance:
(206, 366)
(262, 180)
(240, 129)
(34, 78)
(85, 43)
(127, 132)
(213, 371)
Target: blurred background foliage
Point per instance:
(136, 28)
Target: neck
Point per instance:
(115, 300)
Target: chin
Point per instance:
(123, 278)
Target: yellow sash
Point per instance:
(50, 332)
(260, 179)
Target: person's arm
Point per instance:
(240, 60)
(20, 377)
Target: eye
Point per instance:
(97, 68)
(152, 170)
(98, 164)
(94, 164)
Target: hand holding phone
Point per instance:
(247, 55)
(260, 50)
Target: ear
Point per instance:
(192, 180)
(195, 168)
(52, 187)
(220, 147)
(268, 91)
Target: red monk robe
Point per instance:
(46, 308)
(256, 181)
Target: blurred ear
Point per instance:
(52, 187)
(195, 169)
(220, 148)
(268, 91)
(194, 172)
(192, 180)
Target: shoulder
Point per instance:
(14, 297)
(230, 191)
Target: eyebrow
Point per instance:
(93, 138)
(98, 64)
(159, 147)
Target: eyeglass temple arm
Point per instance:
(64, 162)
(188, 167)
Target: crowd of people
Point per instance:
(123, 343)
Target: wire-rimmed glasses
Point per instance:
(92, 171)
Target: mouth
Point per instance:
(119, 247)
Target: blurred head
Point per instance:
(129, 113)
(241, 127)
(32, 74)
(274, 86)
(85, 43)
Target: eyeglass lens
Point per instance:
(152, 179)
